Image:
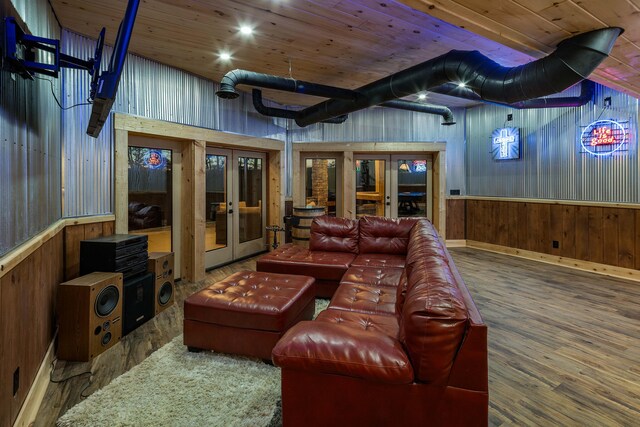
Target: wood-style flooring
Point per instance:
(564, 345)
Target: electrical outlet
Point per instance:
(607, 102)
(555, 244)
(509, 117)
(454, 192)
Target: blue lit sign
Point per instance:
(154, 159)
(505, 143)
(604, 137)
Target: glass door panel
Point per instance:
(151, 196)
(372, 197)
(320, 184)
(218, 231)
(411, 183)
(249, 206)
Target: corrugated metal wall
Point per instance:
(30, 141)
(387, 124)
(148, 89)
(552, 165)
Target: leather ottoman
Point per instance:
(247, 312)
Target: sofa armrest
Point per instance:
(342, 350)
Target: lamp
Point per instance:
(404, 167)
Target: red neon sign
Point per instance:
(603, 135)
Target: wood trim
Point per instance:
(593, 267)
(275, 189)
(551, 201)
(370, 147)
(137, 124)
(193, 221)
(22, 252)
(27, 415)
(439, 190)
(456, 243)
(121, 172)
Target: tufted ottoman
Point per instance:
(247, 312)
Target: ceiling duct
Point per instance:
(587, 90)
(573, 60)
(233, 78)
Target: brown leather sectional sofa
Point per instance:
(401, 343)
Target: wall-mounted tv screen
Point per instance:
(505, 144)
(105, 85)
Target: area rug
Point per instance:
(174, 387)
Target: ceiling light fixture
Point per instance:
(225, 56)
(422, 96)
(246, 30)
(461, 84)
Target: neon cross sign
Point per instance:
(506, 143)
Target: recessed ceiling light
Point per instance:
(461, 84)
(422, 96)
(246, 30)
(225, 56)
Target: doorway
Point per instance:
(235, 206)
(395, 186)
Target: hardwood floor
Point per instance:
(564, 345)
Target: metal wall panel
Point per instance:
(552, 165)
(387, 124)
(148, 89)
(30, 143)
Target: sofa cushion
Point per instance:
(433, 321)
(330, 348)
(379, 260)
(364, 299)
(382, 323)
(385, 235)
(293, 259)
(372, 276)
(331, 234)
(424, 243)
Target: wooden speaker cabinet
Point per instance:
(161, 265)
(89, 315)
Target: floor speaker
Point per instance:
(161, 266)
(137, 304)
(89, 315)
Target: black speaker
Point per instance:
(138, 302)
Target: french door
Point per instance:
(235, 205)
(393, 186)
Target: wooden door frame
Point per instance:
(437, 151)
(192, 142)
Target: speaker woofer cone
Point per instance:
(107, 300)
(164, 295)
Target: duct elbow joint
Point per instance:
(228, 86)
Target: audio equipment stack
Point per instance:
(122, 253)
(161, 266)
(90, 313)
(126, 254)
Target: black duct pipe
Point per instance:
(573, 60)
(587, 90)
(441, 110)
(235, 77)
(256, 95)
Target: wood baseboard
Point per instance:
(456, 243)
(29, 411)
(593, 267)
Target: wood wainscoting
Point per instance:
(29, 279)
(588, 235)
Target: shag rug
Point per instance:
(174, 387)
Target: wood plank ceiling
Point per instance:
(348, 43)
